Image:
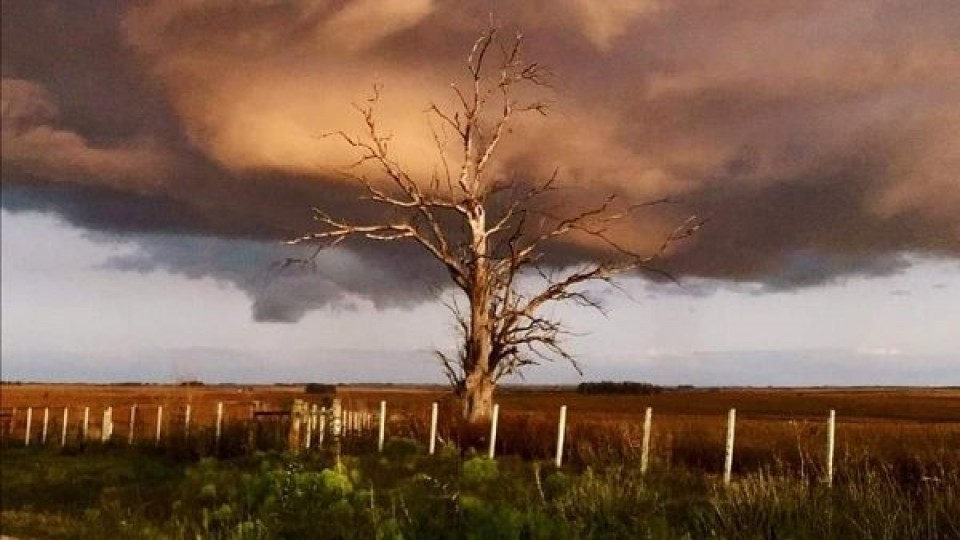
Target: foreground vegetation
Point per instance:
(112, 492)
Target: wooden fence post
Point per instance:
(321, 426)
(561, 432)
(85, 427)
(294, 438)
(133, 424)
(106, 428)
(831, 438)
(308, 435)
(336, 419)
(728, 461)
(26, 435)
(13, 421)
(63, 428)
(383, 425)
(493, 430)
(159, 423)
(253, 426)
(186, 423)
(645, 445)
(336, 427)
(219, 428)
(434, 412)
(311, 418)
(46, 423)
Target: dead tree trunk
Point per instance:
(477, 396)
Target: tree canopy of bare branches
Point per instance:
(487, 232)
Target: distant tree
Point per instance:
(320, 388)
(487, 231)
(624, 387)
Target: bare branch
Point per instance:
(490, 235)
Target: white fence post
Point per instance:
(106, 428)
(383, 425)
(561, 432)
(63, 428)
(219, 429)
(434, 412)
(321, 427)
(311, 420)
(26, 435)
(336, 427)
(317, 412)
(831, 438)
(645, 448)
(336, 419)
(159, 422)
(186, 423)
(133, 424)
(85, 427)
(728, 461)
(46, 423)
(493, 430)
(298, 417)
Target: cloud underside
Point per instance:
(822, 140)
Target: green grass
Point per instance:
(120, 493)
(50, 494)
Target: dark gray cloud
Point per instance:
(280, 292)
(822, 139)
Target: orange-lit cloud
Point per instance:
(823, 138)
(33, 144)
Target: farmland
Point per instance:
(784, 426)
(897, 468)
(866, 404)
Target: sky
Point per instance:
(156, 155)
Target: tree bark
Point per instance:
(477, 397)
(478, 383)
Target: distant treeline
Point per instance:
(320, 388)
(624, 387)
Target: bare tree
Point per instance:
(485, 231)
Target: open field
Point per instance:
(897, 468)
(775, 427)
(912, 428)
(862, 404)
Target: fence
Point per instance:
(244, 426)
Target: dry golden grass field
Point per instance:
(776, 428)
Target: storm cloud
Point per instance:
(822, 140)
